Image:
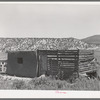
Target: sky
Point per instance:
(49, 20)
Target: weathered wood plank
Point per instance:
(66, 60)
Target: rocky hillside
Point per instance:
(22, 44)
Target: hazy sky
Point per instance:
(49, 20)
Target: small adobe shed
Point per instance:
(22, 63)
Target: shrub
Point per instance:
(18, 84)
(49, 83)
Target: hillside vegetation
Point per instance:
(47, 83)
(17, 44)
(92, 40)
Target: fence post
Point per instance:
(57, 60)
(38, 69)
(78, 63)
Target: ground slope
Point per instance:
(95, 39)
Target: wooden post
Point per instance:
(57, 61)
(38, 69)
(78, 63)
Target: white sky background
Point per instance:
(49, 20)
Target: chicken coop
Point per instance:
(60, 63)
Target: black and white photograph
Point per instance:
(50, 46)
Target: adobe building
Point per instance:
(22, 63)
(18, 63)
